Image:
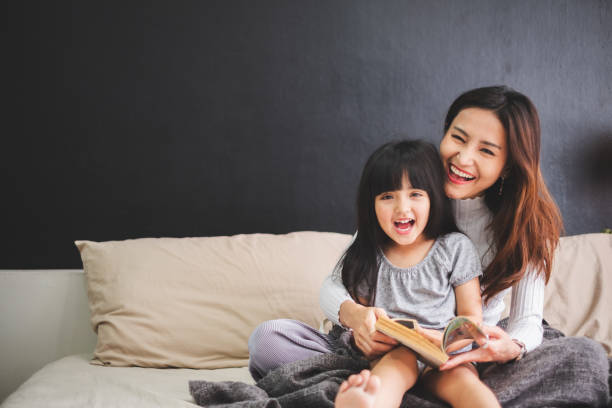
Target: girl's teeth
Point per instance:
(460, 173)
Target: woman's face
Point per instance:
(474, 152)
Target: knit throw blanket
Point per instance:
(551, 376)
(313, 382)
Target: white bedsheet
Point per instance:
(73, 382)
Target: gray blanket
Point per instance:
(550, 376)
(313, 382)
(308, 383)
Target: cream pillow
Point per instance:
(193, 302)
(578, 297)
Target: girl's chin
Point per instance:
(404, 241)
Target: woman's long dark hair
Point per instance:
(526, 221)
(384, 172)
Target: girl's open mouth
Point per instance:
(404, 224)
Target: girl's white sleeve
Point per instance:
(526, 309)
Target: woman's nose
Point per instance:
(465, 156)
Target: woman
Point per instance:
(490, 151)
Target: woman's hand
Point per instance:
(362, 321)
(500, 349)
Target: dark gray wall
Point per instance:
(194, 118)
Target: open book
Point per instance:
(459, 333)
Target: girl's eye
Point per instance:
(457, 137)
(416, 194)
(487, 151)
(386, 196)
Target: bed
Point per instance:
(146, 316)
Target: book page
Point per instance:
(460, 333)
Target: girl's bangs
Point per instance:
(388, 175)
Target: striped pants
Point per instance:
(276, 342)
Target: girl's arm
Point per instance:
(340, 308)
(469, 304)
(469, 301)
(525, 325)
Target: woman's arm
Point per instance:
(331, 296)
(526, 310)
(333, 293)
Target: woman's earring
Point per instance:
(501, 187)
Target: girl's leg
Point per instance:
(460, 387)
(398, 372)
(276, 342)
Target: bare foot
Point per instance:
(359, 391)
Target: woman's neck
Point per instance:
(469, 209)
(473, 218)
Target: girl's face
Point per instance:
(474, 153)
(403, 214)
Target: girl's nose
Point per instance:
(403, 206)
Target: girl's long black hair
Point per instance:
(383, 172)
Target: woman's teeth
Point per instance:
(461, 174)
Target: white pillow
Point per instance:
(578, 297)
(193, 302)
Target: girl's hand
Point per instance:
(500, 349)
(362, 321)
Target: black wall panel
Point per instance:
(196, 118)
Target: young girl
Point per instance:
(409, 260)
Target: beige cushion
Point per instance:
(579, 294)
(193, 302)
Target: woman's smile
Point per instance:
(459, 176)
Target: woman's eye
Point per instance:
(386, 196)
(457, 137)
(487, 151)
(416, 194)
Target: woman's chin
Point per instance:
(452, 193)
(457, 193)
